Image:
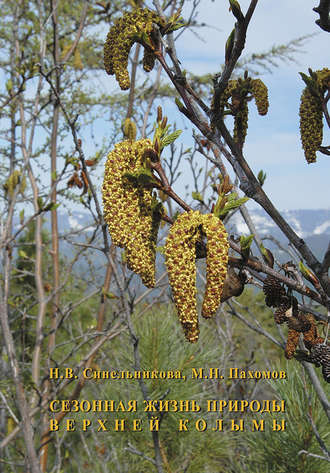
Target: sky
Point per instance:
(273, 142)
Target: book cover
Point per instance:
(158, 312)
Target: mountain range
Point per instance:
(311, 225)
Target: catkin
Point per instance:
(130, 211)
(238, 91)
(121, 37)
(216, 262)
(260, 93)
(311, 131)
(292, 343)
(180, 255)
(310, 112)
(180, 252)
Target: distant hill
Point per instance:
(311, 225)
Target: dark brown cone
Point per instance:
(274, 291)
(279, 314)
(320, 355)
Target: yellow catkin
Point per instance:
(241, 114)
(180, 252)
(241, 123)
(141, 248)
(129, 129)
(216, 262)
(77, 62)
(260, 93)
(12, 182)
(148, 60)
(310, 112)
(129, 209)
(311, 128)
(225, 96)
(121, 37)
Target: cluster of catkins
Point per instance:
(132, 27)
(131, 212)
(180, 252)
(311, 126)
(239, 90)
(133, 216)
(298, 323)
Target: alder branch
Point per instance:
(241, 26)
(323, 9)
(317, 435)
(317, 386)
(109, 335)
(79, 32)
(133, 450)
(255, 328)
(248, 182)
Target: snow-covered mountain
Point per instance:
(305, 223)
(311, 225)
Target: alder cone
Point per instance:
(233, 285)
(320, 355)
(274, 291)
(280, 313)
(311, 336)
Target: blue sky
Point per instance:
(273, 142)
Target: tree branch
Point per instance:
(323, 10)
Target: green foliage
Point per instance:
(161, 347)
(279, 451)
(197, 196)
(261, 177)
(246, 242)
(227, 203)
